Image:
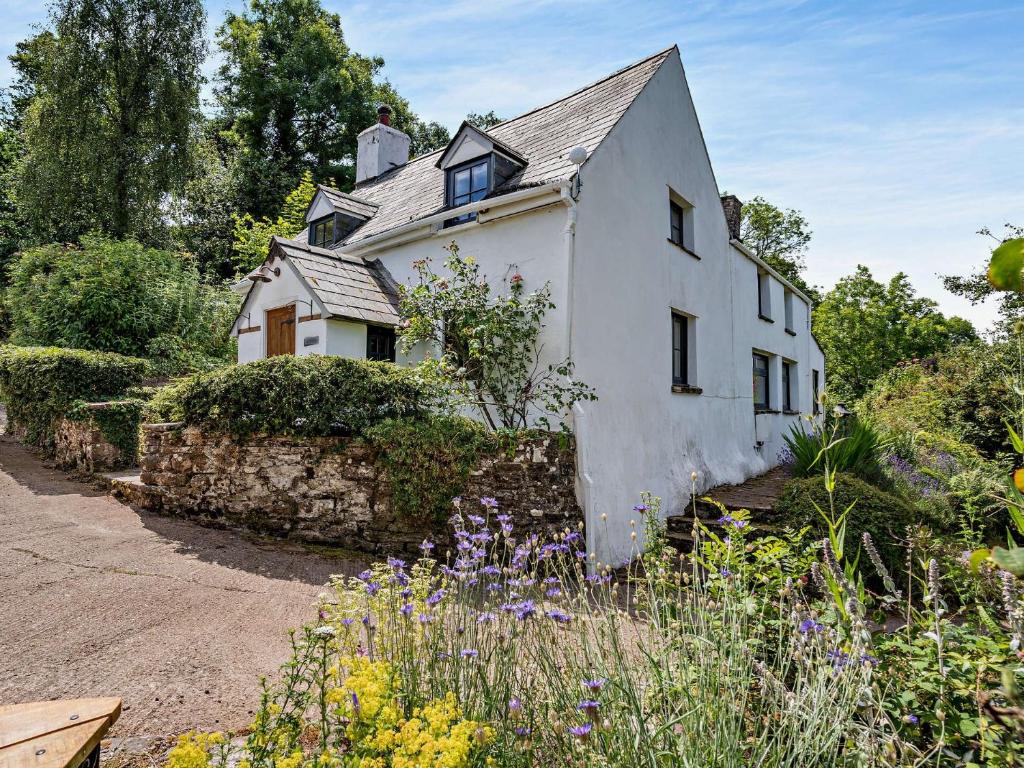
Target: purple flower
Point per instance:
(365, 575)
(810, 625)
(355, 704)
(581, 731)
(490, 570)
(427, 545)
(485, 617)
(489, 501)
(867, 658)
(406, 610)
(726, 519)
(503, 518)
(425, 618)
(553, 592)
(515, 706)
(641, 508)
(560, 616)
(395, 563)
(525, 610)
(347, 622)
(911, 719)
(521, 731)
(372, 588)
(469, 653)
(595, 685)
(475, 519)
(436, 597)
(589, 707)
(725, 573)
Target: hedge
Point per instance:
(309, 396)
(40, 384)
(884, 515)
(118, 422)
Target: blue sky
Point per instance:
(897, 128)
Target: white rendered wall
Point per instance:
(640, 435)
(282, 290)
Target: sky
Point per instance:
(896, 128)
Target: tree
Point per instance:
(778, 237)
(866, 327)
(107, 100)
(297, 97)
(489, 345)
(483, 122)
(976, 287)
(252, 237)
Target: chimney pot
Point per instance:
(384, 114)
(733, 210)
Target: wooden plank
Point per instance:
(250, 329)
(54, 734)
(307, 318)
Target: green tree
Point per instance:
(483, 122)
(866, 327)
(779, 237)
(976, 287)
(297, 97)
(120, 296)
(251, 237)
(107, 99)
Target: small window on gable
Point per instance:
(380, 343)
(321, 232)
(764, 295)
(789, 311)
(680, 223)
(467, 184)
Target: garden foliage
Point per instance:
(309, 396)
(855, 449)
(118, 422)
(40, 385)
(119, 296)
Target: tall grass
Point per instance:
(712, 660)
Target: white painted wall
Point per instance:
(281, 291)
(640, 435)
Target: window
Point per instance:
(380, 343)
(680, 350)
(675, 222)
(467, 185)
(789, 313)
(321, 233)
(787, 386)
(764, 296)
(815, 384)
(761, 390)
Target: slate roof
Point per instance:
(344, 203)
(348, 286)
(543, 136)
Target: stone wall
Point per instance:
(332, 490)
(80, 446)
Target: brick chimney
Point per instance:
(380, 147)
(733, 208)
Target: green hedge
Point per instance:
(311, 396)
(884, 515)
(428, 460)
(40, 384)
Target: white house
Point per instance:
(701, 355)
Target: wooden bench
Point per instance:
(55, 734)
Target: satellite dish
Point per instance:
(578, 155)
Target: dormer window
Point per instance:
(467, 184)
(321, 233)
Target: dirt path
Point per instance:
(99, 600)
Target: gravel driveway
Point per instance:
(99, 600)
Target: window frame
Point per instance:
(764, 296)
(381, 332)
(681, 353)
(767, 404)
(676, 210)
(815, 386)
(787, 386)
(316, 224)
(449, 193)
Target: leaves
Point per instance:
(1011, 560)
(1006, 268)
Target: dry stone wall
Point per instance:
(80, 446)
(333, 490)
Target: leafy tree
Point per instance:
(297, 97)
(976, 287)
(866, 327)
(252, 236)
(489, 345)
(120, 296)
(780, 238)
(483, 122)
(107, 99)
(426, 137)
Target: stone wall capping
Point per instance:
(168, 426)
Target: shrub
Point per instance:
(39, 385)
(312, 396)
(884, 515)
(120, 296)
(118, 422)
(428, 460)
(854, 448)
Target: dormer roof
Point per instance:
(330, 200)
(470, 143)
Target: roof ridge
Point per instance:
(349, 195)
(594, 84)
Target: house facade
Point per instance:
(701, 355)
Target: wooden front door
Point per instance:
(281, 331)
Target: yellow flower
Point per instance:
(193, 750)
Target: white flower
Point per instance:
(324, 630)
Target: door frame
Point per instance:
(266, 324)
